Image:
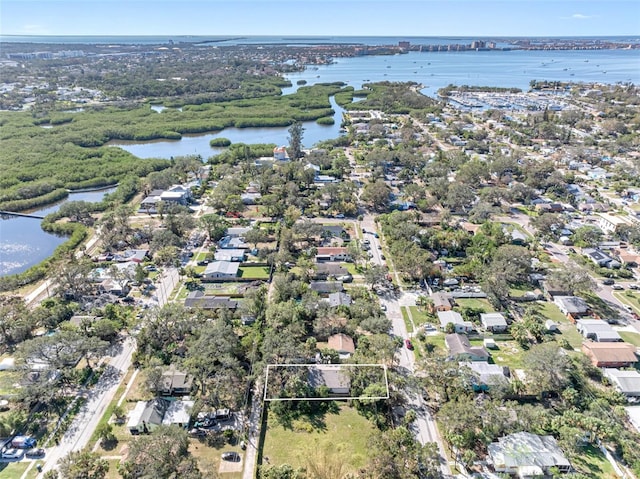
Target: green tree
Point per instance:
(83, 465)
(215, 226)
(296, 131)
(163, 455)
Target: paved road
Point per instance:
(424, 427)
(97, 400)
(103, 392)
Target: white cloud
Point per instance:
(580, 16)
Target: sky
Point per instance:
(321, 17)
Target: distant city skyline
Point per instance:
(321, 17)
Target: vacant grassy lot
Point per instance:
(344, 433)
(420, 316)
(257, 272)
(567, 329)
(479, 303)
(509, 353)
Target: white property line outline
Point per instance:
(340, 398)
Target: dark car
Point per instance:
(231, 456)
(408, 344)
(35, 453)
(608, 282)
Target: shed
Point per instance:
(550, 325)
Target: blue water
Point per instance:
(24, 244)
(199, 144)
(514, 68)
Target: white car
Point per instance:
(13, 454)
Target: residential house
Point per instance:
(238, 232)
(597, 330)
(486, 375)
(147, 416)
(609, 223)
(600, 258)
(176, 194)
(332, 254)
(331, 376)
(178, 414)
(441, 302)
(221, 270)
(493, 322)
(119, 288)
(280, 153)
(339, 299)
(527, 455)
(175, 382)
(326, 270)
(232, 242)
(626, 382)
(461, 326)
(234, 255)
(326, 287)
(343, 344)
(197, 299)
(572, 306)
(134, 255)
(610, 355)
(460, 348)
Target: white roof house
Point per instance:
(627, 382)
(520, 452)
(461, 326)
(597, 330)
(178, 412)
(634, 416)
(222, 269)
(493, 321)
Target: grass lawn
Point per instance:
(591, 461)
(479, 303)
(342, 435)
(407, 321)
(419, 316)
(209, 457)
(7, 381)
(351, 268)
(436, 342)
(14, 470)
(258, 272)
(630, 298)
(567, 329)
(629, 337)
(509, 353)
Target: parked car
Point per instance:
(608, 282)
(35, 453)
(634, 286)
(383, 307)
(617, 287)
(197, 432)
(408, 344)
(13, 454)
(231, 456)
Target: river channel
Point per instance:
(23, 243)
(199, 144)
